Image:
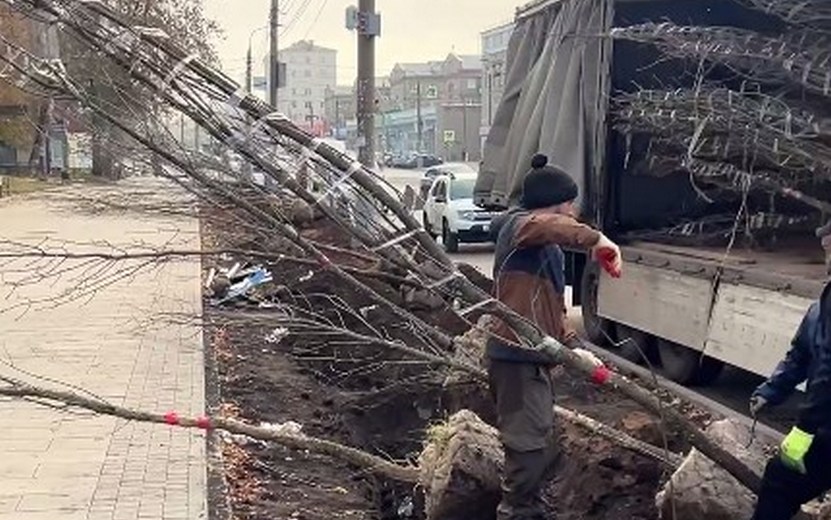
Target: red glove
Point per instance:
(607, 254)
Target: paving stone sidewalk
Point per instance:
(112, 335)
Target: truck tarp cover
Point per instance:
(550, 104)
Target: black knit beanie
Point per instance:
(546, 185)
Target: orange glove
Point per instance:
(607, 254)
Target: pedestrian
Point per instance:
(799, 472)
(529, 275)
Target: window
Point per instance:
(294, 104)
(308, 73)
(307, 92)
(462, 188)
(294, 92)
(308, 104)
(472, 84)
(438, 190)
(308, 59)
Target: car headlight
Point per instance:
(467, 215)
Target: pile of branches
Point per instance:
(771, 135)
(293, 165)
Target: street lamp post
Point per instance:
(249, 59)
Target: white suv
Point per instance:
(449, 212)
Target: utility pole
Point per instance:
(337, 117)
(274, 60)
(490, 96)
(368, 25)
(464, 128)
(249, 63)
(419, 121)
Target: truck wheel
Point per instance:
(450, 239)
(596, 327)
(687, 366)
(636, 345)
(427, 227)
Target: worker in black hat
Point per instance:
(529, 275)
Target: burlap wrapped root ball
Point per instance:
(461, 469)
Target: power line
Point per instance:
(317, 17)
(297, 15)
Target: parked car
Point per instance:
(401, 161)
(424, 161)
(444, 169)
(449, 211)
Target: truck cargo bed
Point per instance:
(796, 268)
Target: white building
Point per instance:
(494, 53)
(311, 71)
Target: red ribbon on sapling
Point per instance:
(204, 423)
(601, 375)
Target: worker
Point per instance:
(799, 472)
(529, 275)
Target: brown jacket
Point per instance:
(529, 275)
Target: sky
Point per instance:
(411, 30)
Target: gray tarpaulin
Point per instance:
(552, 101)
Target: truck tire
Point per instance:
(636, 345)
(449, 239)
(597, 328)
(686, 366)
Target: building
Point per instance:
(311, 70)
(20, 144)
(447, 94)
(339, 108)
(494, 54)
(347, 110)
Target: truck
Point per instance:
(696, 130)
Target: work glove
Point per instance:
(607, 254)
(793, 449)
(553, 348)
(588, 357)
(757, 402)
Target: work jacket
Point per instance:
(808, 360)
(529, 276)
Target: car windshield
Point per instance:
(462, 188)
(459, 168)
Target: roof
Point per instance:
(502, 27)
(306, 46)
(431, 68)
(471, 61)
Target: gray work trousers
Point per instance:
(525, 416)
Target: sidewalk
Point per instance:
(65, 464)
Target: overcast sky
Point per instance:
(412, 30)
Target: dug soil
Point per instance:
(383, 403)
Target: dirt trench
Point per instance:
(383, 403)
